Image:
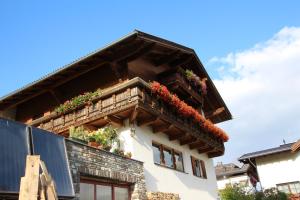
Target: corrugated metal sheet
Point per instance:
(14, 147)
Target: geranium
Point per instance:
(187, 110)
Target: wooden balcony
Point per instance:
(133, 100)
(178, 84)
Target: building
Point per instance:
(171, 138)
(231, 174)
(277, 167)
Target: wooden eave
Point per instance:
(160, 52)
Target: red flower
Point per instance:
(186, 110)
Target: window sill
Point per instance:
(200, 177)
(159, 165)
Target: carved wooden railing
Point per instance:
(126, 98)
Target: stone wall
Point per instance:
(162, 196)
(96, 163)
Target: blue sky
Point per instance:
(37, 37)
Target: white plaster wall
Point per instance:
(232, 180)
(278, 168)
(161, 179)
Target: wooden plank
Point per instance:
(30, 182)
(134, 115)
(177, 136)
(48, 183)
(197, 144)
(162, 128)
(147, 122)
(114, 121)
(205, 150)
(187, 141)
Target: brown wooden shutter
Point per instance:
(203, 169)
(193, 165)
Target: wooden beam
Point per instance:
(133, 115)
(147, 122)
(177, 136)
(215, 154)
(114, 121)
(205, 150)
(196, 144)
(142, 50)
(166, 59)
(215, 112)
(56, 95)
(183, 61)
(30, 182)
(162, 128)
(187, 141)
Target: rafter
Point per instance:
(196, 144)
(147, 122)
(114, 120)
(162, 128)
(215, 112)
(166, 59)
(177, 136)
(206, 149)
(187, 141)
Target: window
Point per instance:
(198, 167)
(289, 188)
(167, 157)
(93, 190)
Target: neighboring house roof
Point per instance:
(296, 146)
(230, 170)
(280, 149)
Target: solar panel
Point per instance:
(17, 141)
(52, 150)
(14, 147)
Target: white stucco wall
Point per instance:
(233, 180)
(278, 168)
(162, 179)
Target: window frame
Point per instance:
(288, 184)
(162, 163)
(202, 168)
(104, 183)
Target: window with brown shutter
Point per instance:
(167, 157)
(203, 169)
(198, 167)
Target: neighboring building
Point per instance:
(231, 174)
(277, 167)
(171, 151)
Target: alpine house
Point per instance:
(139, 120)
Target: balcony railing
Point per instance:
(133, 100)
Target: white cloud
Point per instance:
(261, 87)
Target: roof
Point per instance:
(136, 41)
(230, 170)
(266, 152)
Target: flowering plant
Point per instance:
(77, 101)
(186, 110)
(194, 80)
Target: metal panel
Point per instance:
(52, 150)
(14, 147)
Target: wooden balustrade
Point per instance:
(133, 100)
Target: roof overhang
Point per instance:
(103, 55)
